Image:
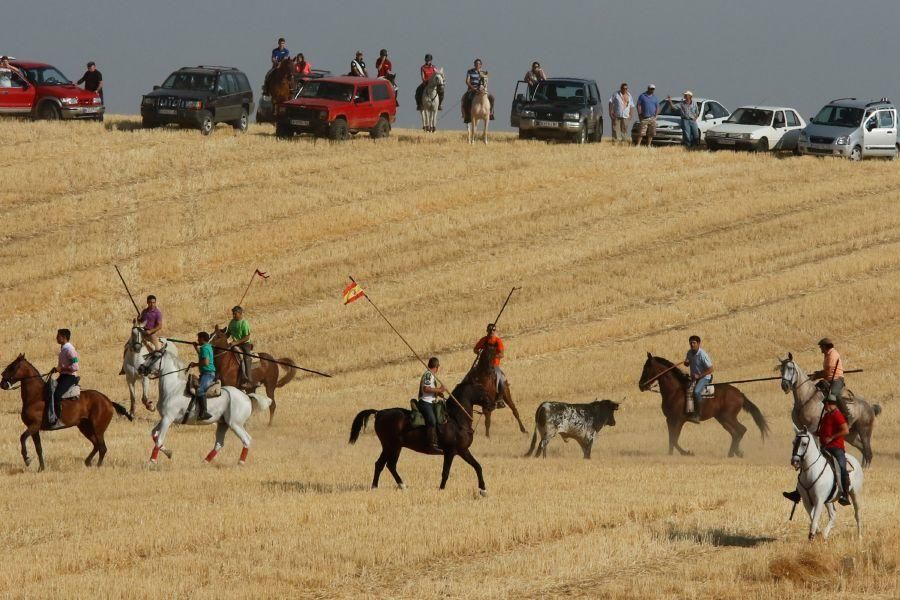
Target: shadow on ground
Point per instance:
(312, 487)
(717, 537)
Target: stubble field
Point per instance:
(618, 251)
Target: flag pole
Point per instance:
(411, 349)
(252, 279)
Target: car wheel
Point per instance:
(524, 135)
(597, 136)
(242, 123)
(896, 153)
(49, 112)
(856, 153)
(338, 130)
(581, 136)
(206, 123)
(382, 129)
(147, 123)
(712, 146)
(283, 131)
(762, 145)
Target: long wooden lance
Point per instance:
(770, 378)
(262, 274)
(411, 349)
(499, 314)
(130, 297)
(256, 356)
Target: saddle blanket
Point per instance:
(847, 394)
(417, 419)
(72, 392)
(193, 383)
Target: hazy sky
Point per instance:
(798, 54)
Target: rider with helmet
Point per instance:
(426, 72)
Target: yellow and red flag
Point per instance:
(262, 274)
(353, 292)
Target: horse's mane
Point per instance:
(485, 358)
(678, 373)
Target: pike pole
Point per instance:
(251, 355)
(130, 297)
(499, 314)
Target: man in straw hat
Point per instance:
(690, 131)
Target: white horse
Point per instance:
(431, 101)
(230, 410)
(817, 482)
(480, 111)
(135, 353)
(808, 407)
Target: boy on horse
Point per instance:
(492, 340)
(429, 392)
(426, 72)
(475, 80)
(832, 373)
(833, 428)
(239, 331)
(67, 366)
(701, 373)
(207, 372)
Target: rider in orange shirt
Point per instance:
(492, 340)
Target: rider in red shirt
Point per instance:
(383, 64)
(833, 428)
(426, 72)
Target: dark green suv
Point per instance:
(200, 97)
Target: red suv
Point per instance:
(337, 107)
(45, 93)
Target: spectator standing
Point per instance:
(93, 80)
(621, 111)
(648, 108)
(690, 131)
(301, 65)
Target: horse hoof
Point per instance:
(167, 452)
(401, 486)
(482, 493)
(28, 460)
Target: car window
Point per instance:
(362, 93)
(231, 83)
(779, 119)
(718, 110)
(592, 93)
(243, 84)
(380, 92)
(792, 119)
(560, 91)
(872, 122)
(751, 116)
(839, 116)
(885, 119)
(670, 108)
(9, 79)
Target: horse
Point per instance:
(808, 408)
(279, 82)
(728, 401)
(228, 368)
(431, 101)
(230, 410)
(480, 110)
(91, 412)
(393, 428)
(817, 482)
(484, 374)
(135, 353)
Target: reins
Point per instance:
(21, 379)
(657, 376)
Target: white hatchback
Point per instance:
(760, 128)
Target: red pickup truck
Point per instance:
(337, 107)
(45, 93)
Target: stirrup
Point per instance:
(694, 417)
(793, 496)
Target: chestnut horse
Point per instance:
(483, 374)
(392, 426)
(228, 367)
(724, 407)
(91, 412)
(279, 82)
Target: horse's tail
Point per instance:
(876, 408)
(122, 411)
(289, 375)
(260, 401)
(533, 442)
(361, 420)
(757, 415)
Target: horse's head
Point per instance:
(483, 85)
(218, 338)
(438, 78)
(803, 439)
(789, 373)
(484, 366)
(648, 374)
(152, 364)
(137, 337)
(15, 371)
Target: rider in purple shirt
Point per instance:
(151, 320)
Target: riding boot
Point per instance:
(844, 498)
(202, 415)
(793, 496)
(431, 435)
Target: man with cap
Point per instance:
(239, 331)
(426, 72)
(690, 131)
(429, 392)
(358, 66)
(832, 373)
(648, 108)
(833, 428)
(701, 366)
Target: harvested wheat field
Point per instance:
(618, 251)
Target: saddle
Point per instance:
(417, 419)
(193, 383)
(847, 394)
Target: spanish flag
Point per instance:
(352, 292)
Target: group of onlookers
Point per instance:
(92, 78)
(623, 109)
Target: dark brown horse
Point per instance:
(394, 430)
(484, 374)
(279, 82)
(724, 407)
(91, 412)
(228, 367)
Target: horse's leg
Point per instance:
(507, 396)
(445, 472)
(487, 423)
(728, 424)
(471, 128)
(221, 430)
(160, 439)
(675, 433)
(486, 121)
(814, 519)
(145, 395)
(238, 429)
(87, 430)
(379, 467)
(39, 448)
(270, 392)
(28, 433)
(467, 456)
(831, 516)
(857, 439)
(854, 498)
(130, 381)
(392, 458)
(154, 434)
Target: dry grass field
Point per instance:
(619, 251)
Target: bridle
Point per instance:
(153, 358)
(7, 383)
(645, 385)
(137, 341)
(797, 458)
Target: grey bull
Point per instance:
(580, 422)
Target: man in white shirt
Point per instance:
(429, 392)
(621, 111)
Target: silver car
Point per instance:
(852, 128)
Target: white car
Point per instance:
(668, 121)
(760, 128)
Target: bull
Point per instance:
(581, 422)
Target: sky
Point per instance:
(792, 53)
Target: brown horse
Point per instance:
(393, 428)
(228, 367)
(91, 412)
(484, 374)
(724, 407)
(279, 82)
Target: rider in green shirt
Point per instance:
(239, 331)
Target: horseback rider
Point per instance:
(475, 80)
(358, 66)
(833, 428)
(492, 340)
(151, 320)
(383, 64)
(207, 372)
(426, 72)
(429, 392)
(239, 331)
(67, 367)
(832, 374)
(701, 373)
(280, 53)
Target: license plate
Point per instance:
(167, 111)
(299, 122)
(547, 124)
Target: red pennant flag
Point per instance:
(352, 292)
(262, 274)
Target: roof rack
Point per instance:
(882, 101)
(839, 99)
(215, 67)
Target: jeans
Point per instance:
(699, 386)
(206, 380)
(63, 384)
(246, 359)
(841, 457)
(427, 410)
(690, 133)
(501, 379)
